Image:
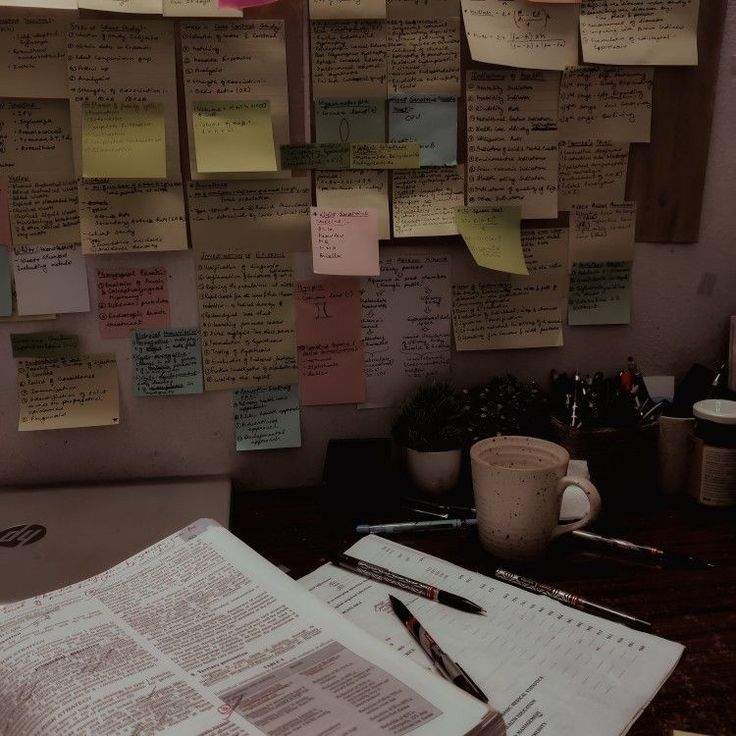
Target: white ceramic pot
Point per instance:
(434, 473)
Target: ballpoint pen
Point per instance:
(382, 575)
(571, 600)
(669, 559)
(415, 526)
(442, 661)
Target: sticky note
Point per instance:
(6, 284)
(345, 241)
(600, 294)
(431, 121)
(45, 345)
(324, 156)
(233, 136)
(5, 230)
(350, 119)
(267, 418)
(384, 156)
(123, 141)
(167, 362)
(493, 237)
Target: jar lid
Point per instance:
(720, 411)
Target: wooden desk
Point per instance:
(296, 529)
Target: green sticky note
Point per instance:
(323, 156)
(493, 237)
(600, 294)
(350, 119)
(45, 345)
(384, 155)
(233, 136)
(123, 141)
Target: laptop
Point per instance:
(57, 535)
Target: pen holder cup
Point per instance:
(622, 461)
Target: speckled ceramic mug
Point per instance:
(518, 483)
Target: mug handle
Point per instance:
(594, 500)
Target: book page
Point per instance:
(547, 668)
(522, 34)
(167, 362)
(349, 58)
(425, 200)
(246, 311)
(512, 140)
(592, 171)
(406, 324)
(661, 32)
(606, 103)
(600, 293)
(602, 232)
(33, 56)
(424, 57)
(267, 418)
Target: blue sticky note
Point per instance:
(431, 121)
(6, 290)
(167, 362)
(600, 294)
(267, 417)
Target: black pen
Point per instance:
(442, 661)
(573, 601)
(668, 559)
(382, 575)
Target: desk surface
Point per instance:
(298, 529)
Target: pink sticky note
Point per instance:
(329, 342)
(131, 299)
(244, 3)
(345, 241)
(6, 237)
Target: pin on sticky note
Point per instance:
(233, 136)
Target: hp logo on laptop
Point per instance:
(15, 536)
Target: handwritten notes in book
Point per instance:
(592, 171)
(424, 56)
(661, 32)
(356, 189)
(6, 284)
(425, 201)
(237, 60)
(63, 393)
(246, 311)
(35, 137)
(600, 294)
(222, 212)
(602, 232)
(349, 58)
(166, 362)
(516, 311)
(33, 56)
(44, 210)
(431, 121)
(120, 63)
(406, 324)
(50, 279)
(512, 140)
(522, 34)
(384, 155)
(423, 8)
(45, 345)
(350, 119)
(493, 237)
(233, 136)
(267, 418)
(123, 141)
(606, 103)
(131, 299)
(131, 216)
(328, 338)
(346, 9)
(345, 241)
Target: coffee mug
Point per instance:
(518, 483)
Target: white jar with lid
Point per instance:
(713, 443)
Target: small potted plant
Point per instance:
(428, 428)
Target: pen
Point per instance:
(447, 667)
(414, 526)
(382, 575)
(572, 600)
(670, 559)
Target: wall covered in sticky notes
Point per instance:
(231, 234)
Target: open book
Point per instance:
(549, 669)
(198, 634)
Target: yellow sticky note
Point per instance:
(403, 155)
(123, 141)
(493, 237)
(233, 136)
